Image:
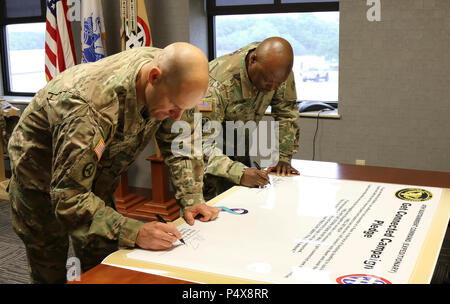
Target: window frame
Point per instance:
(4, 21)
(212, 10)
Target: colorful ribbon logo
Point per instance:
(239, 211)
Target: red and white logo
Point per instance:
(139, 38)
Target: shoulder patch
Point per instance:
(205, 104)
(88, 169)
(99, 148)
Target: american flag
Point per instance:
(59, 50)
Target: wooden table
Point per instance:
(104, 274)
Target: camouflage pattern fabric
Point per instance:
(232, 98)
(185, 170)
(72, 142)
(7, 124)
(3, 130)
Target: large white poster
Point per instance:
(310, 230)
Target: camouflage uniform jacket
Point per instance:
(4, 142)
(232, 97)
(76, 137)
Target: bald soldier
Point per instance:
(76, 137)
(241, 87)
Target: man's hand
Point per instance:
(157, 236)
(283, 169)
(203, 212)
(254, 178)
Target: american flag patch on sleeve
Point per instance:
(99, 148)
(205, 104)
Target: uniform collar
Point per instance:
(248, 89)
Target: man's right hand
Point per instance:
(254, 178)
(157, 236)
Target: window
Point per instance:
(26, 57)
(312, 28)
(22, 43)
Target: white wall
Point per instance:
(394, 96)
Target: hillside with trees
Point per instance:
(308, 34)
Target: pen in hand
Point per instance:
(259, 168)
(162, 220)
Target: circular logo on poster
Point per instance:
(361, 279)
(414, 194)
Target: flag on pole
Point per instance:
(135, 26)
(92, 31)
(59, 50)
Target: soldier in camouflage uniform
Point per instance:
(76, 137)
(7, 124)
(4, 142)
(242, 85)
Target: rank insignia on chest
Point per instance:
(205, 105)
(99, 148)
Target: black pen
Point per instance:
(162, 220)
(259, 168)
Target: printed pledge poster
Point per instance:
(309, 230)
